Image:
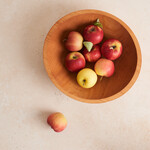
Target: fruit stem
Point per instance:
(101, 78)
(64, 40)
(74, 57)
(97, 23)
(84, 82)
(113, 47)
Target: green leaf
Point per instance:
(97, 23)
(88, 45)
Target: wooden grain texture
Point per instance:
(127, 67)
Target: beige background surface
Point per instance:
(27, 95)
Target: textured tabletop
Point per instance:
(27, 95)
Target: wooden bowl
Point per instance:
(127, 67)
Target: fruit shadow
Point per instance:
(35, 28)
(42, 117)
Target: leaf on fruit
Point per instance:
(88, 45)
(97, 23)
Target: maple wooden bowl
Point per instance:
(127, 67)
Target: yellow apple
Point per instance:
(86, 78)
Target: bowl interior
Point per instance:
(55, 52)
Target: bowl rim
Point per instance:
(136, 72)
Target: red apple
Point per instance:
(74, 41)
(104, 67)
(93, 33)
(93, 55)
(75, 61)
(111, 49)
(57, 121)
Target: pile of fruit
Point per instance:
(91, 51)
